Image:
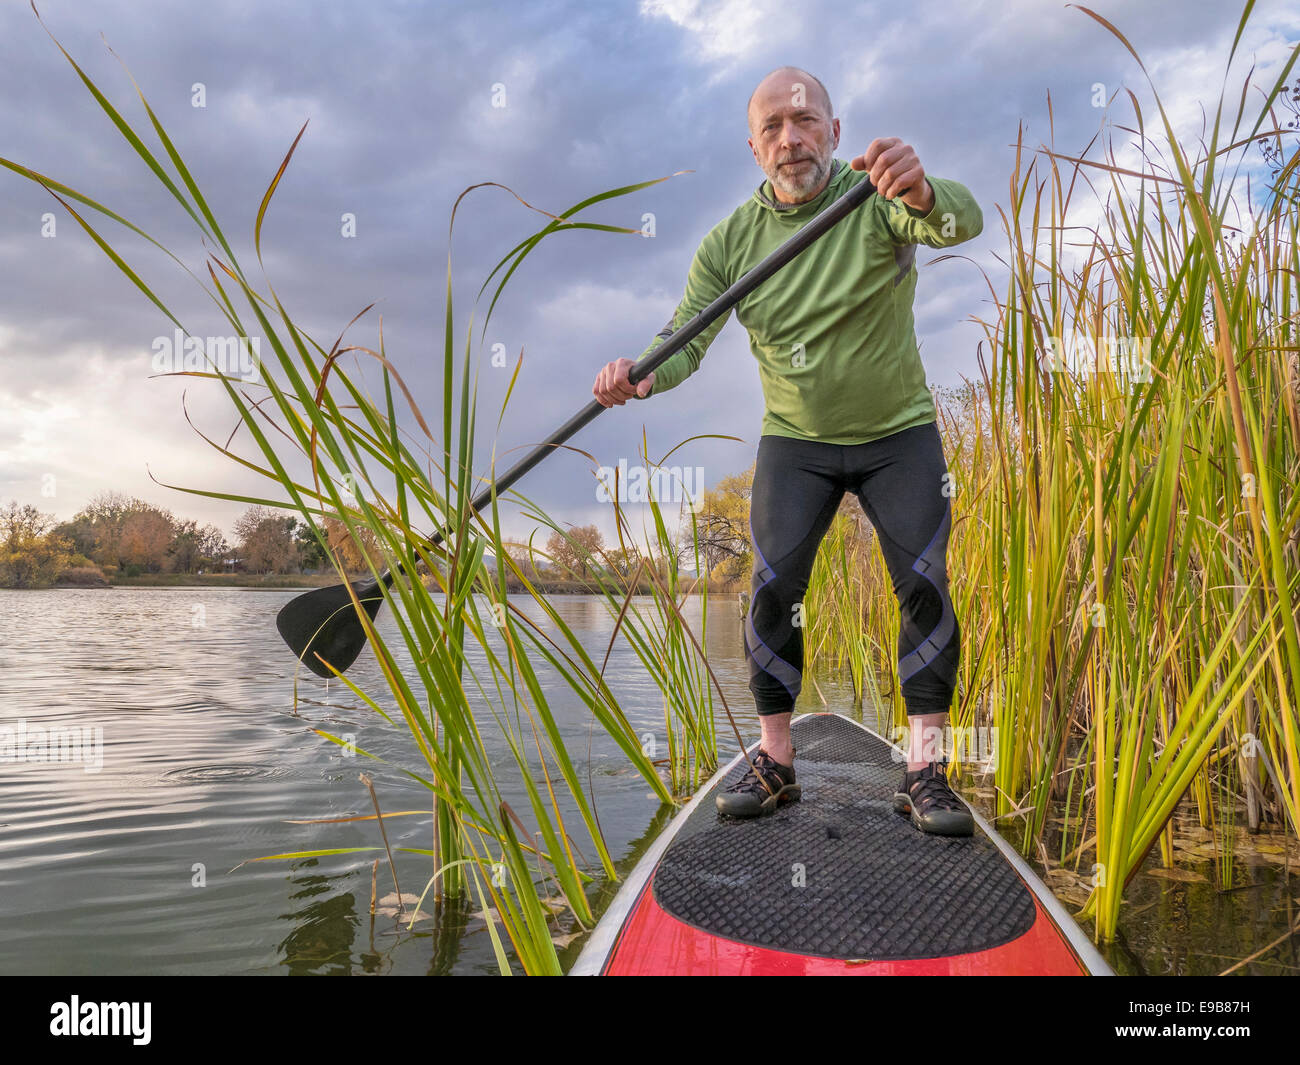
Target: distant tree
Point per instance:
(310, 551)
(560, 552)
(624, 561)
(589, 541)
(80, 533)
(576, 550)
(106, 513)
(183, 551)
(266, 541)
(107, 506)
(31, 555)
(351, 554)
(339, 543)
(146, 533)
(212, 545)
(722, 529)
(118, 530)
(195, 547)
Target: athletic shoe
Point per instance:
(933, 805)
(759, 794)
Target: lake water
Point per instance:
(205, 763)
(143, 863)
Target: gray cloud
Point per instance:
(399, 101)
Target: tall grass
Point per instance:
(840, 609)
(1124, 551)
(670, 652)
(474, 686)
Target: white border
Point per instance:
(596, 951)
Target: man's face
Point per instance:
(793, 136)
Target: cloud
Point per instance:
(597, 96)
(729, 31)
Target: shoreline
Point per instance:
(289, 581)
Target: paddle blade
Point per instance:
(324, 622)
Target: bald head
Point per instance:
(786, 86)
(793, 133)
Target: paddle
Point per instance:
(322, 625)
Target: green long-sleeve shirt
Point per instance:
(832, 331)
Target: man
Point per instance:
(847, 409)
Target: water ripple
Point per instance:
(208, 774)
(145, 863)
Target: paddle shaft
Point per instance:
(315, 623)
(742, 287)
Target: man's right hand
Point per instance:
(613, 389)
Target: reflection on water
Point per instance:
(145, 864)
(140, 860)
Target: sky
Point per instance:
(409, 103)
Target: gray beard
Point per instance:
(782, 182)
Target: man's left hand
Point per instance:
(896, 171)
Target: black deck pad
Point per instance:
(873, 886)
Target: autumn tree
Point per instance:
(722, 529)
(339, 543)
(122, 531)
(194, 547)
(350, 553)
(31, 554)
(105, 515)
(623, 561)
(266, 540)
(144, 536)
(575, 550)
(80, 533)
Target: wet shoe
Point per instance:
(757, 795)
(934, 807)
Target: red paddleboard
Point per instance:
(837, 883)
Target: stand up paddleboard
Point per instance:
(837, 883)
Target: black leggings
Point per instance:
(899, 480)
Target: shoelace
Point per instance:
(751, 781)
(933, 789)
